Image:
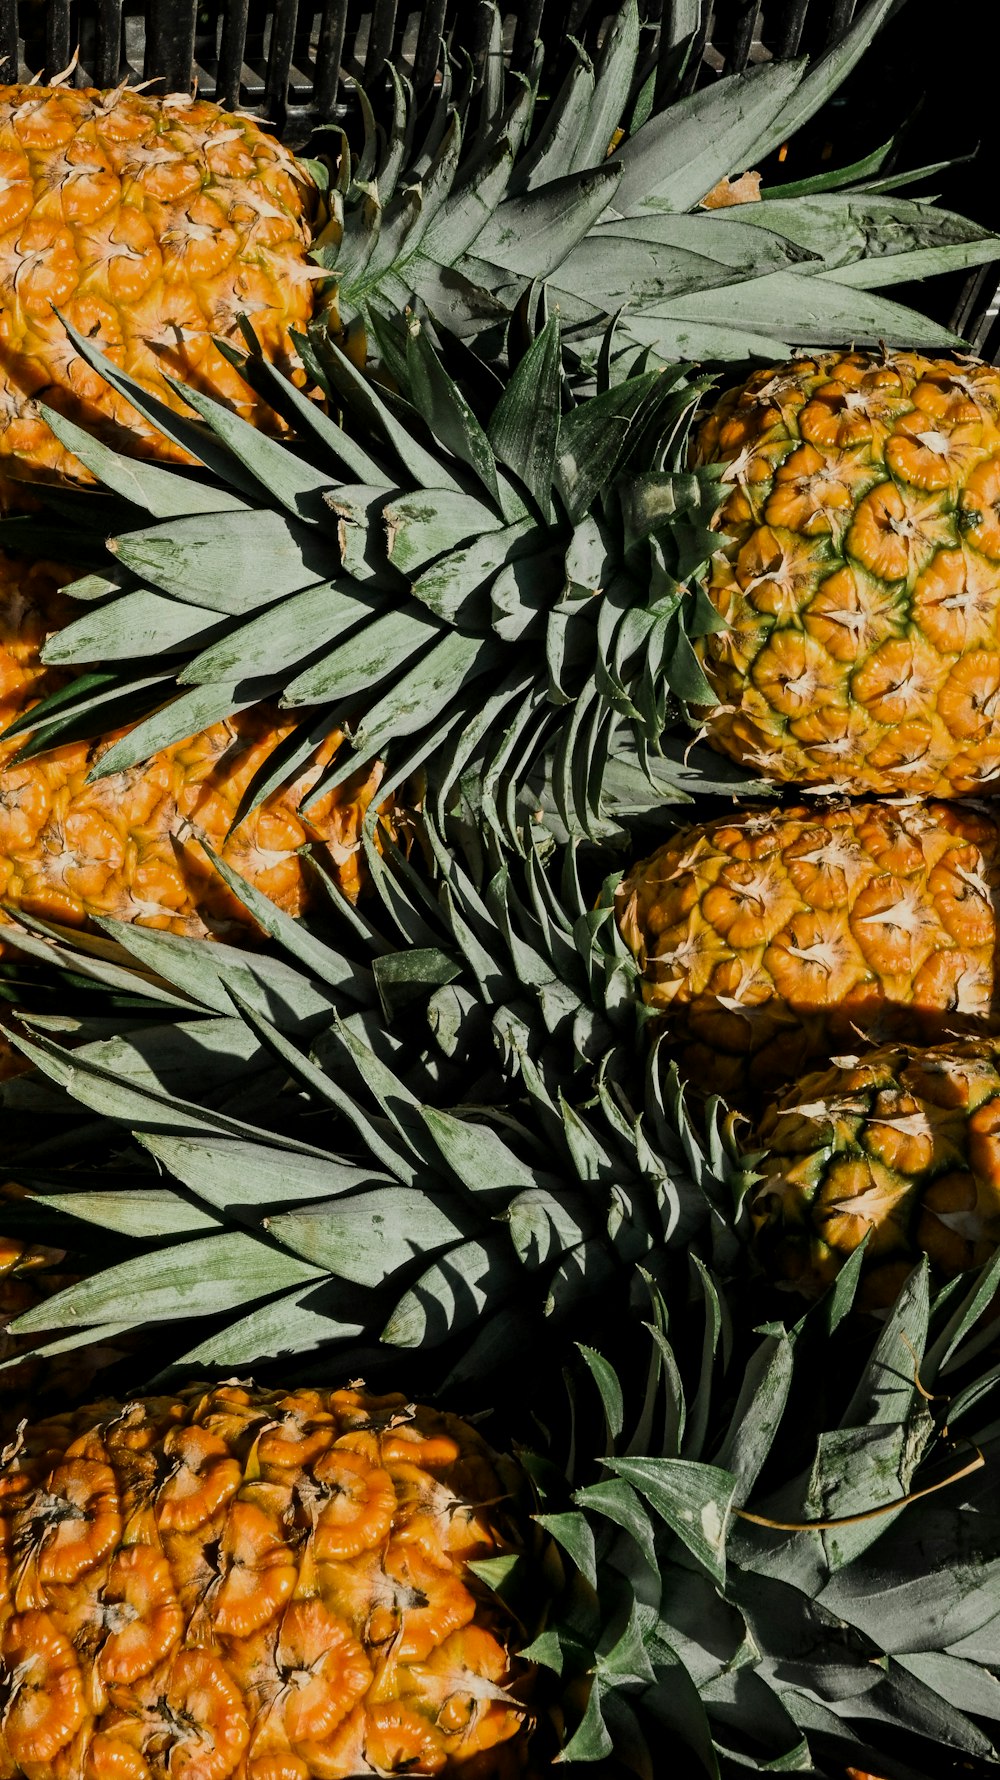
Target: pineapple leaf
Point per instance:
(533, 232)
(606, 1380)
(553, 154)
(682, 152)
(524, 428)
(452, 1294)
(366, 1237)
(192, 438)
(199, 1277)
(251, 1174)
(822, 79)
(757, 1415)
(163, 493)
(226, 563)
(447, 411)
(284, 636)
(146, 1214)
(615, 73)
(174, 722)
(292, 1321)
(695, 1500)
(287, 477)
(140, 625)
(574, 1533)
(476, 1155)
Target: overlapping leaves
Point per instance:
(495, 191)
(408, 1139)
(714, 1614)
(465, 574)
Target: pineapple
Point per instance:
(151, 224)
(269, 1583)
(129, 845)
(859, 578)
(681, 1564)
(154, 225)
(508, 562)
(313, 1583)
(897, 1146)
(767, 937)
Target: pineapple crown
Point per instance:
(786, 1560)
(782, 1549)
(505, 1169)
(513, 577)
(608, 191)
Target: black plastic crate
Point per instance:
(293, 61)
(295, 64)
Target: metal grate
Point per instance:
(295, 63)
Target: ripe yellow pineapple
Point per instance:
(860, 576)
(126, 846)
(239, 1581)
(151, 224)
(768, 937)
(901, 1145)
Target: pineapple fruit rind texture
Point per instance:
(255, 1582)
(152, 223)
(897, 1146)
(860, 573)
(771, 937)
(274, 1584)
(130, 845)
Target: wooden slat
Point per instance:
(472, 31)
(789, 38)
(743, 36)
(170, 44)
(57, 44)
(379, 38)
(841, 14)
(529, 25)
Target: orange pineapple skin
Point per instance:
(127, 845)
(768, 938)
(901, 1145)
(860, 576)
(244, 1582)
(151, 223)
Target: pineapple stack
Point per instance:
(472, 595)
(859, 577)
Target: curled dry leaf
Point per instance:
(744, 189)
